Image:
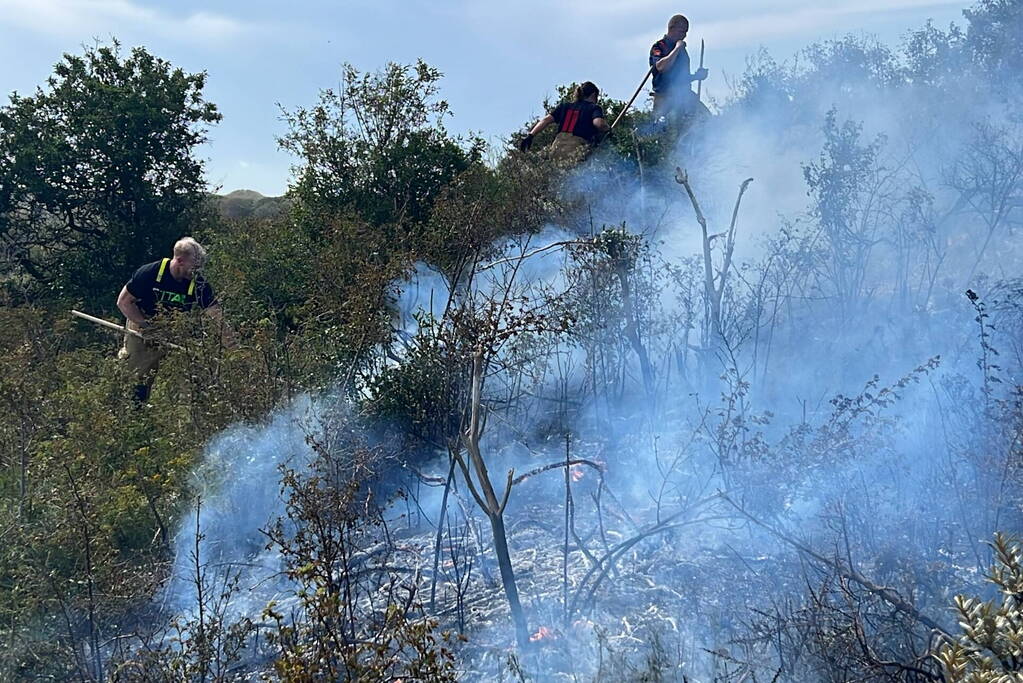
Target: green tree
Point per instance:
(376, 148)
(993, 38)
(97, 169)
(844, 186)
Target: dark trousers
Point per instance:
(680, 107)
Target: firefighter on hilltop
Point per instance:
(674, 99)
(581, 125)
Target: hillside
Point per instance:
(242, 204)
(728, 396)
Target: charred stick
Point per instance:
(555, 465)
(440, 535)
(568, 524)
(600, 518)
(883, 592)
(608, 561)
(603, 565)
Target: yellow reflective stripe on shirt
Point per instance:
(163, 267)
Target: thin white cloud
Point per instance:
(84, 18)
(215, 26)
(804, 21)
(748, 27)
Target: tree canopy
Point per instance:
(98, 169)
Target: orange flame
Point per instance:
(541, 633)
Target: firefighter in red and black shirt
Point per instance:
(580, 125)
(673, 82)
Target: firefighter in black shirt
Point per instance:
(580, 125)
(170, 284)
(672, 82)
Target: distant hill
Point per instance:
(249, 204)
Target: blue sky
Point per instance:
(500, 59)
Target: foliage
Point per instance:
(990, 647)
(97, 170)
(424, 395)
(316, 304)
(482, 207)
(376, 148)
(994, 24)
(89, 504)
(843, 187)
(356, 618)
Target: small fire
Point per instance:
(541, 633)
(577, 473)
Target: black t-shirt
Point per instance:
(577, 118)
(678, 76)
(155, 288)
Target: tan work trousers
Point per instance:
(568, 149)
(142, 358)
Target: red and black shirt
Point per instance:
(678, 75)
(577, 118)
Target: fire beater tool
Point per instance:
(633, 99)
(121, 328)
(699, 84)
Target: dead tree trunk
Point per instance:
(483, 492)
(714, 285)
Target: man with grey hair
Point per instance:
(170, 284)
(673, 82)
